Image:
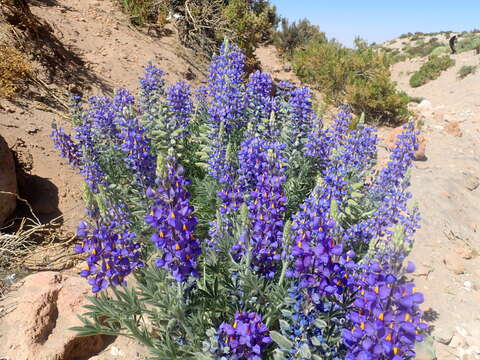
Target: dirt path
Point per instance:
(446, 188)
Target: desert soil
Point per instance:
(445, 186)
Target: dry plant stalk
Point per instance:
(14, 70)
(36, 246)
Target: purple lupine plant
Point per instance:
(138, 155)
(68, 148)
(225, 88)
(91, 168)
(262, 177)
(226, 105)
(179, 102)
(172, 218)
(314, 251)
(301, 112)
(260, 104)
(386, 321)
(246, 338)
(151, 85)
(113, 251)
(390, 190)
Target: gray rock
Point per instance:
(443, 336)
(8, 182)
(471, 181)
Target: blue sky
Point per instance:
(378, 21)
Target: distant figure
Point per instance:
(452, 42)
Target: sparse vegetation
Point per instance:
(423, 49)
(466, 70)
(431, 70)
(144, 12)
(441, 50)
(468, 42)
(359, 77)
(14, 70)
(295, 35)
(203, 24)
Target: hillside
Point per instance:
(101, 52)
(446, 189)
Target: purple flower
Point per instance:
(180, 103)
(68, 148)
(262, 177)
(260, 104)
(152, 84)
(386, 320)
(246, 338)
(172, 218)
(113, 251)
(227, 105)
(314, 250)
(138, 155)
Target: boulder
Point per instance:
(8, 182)
(43, 309)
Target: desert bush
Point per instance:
(204, 24)
(358, 77)
(14, 70)
(303, 257)
(144, 12)
(249, 23)
(440, 50)
(431, 70)
(397, 56)
(422, 49)
(295, 35)
(468, 43)
(466, 70)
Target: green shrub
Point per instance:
(466, 70)
(468, 44)
(144, 12)
(431, 70)
(398, 58)
(249, 23)
(360, 77)
(440, 50)
(295, 35)
(203, 24)
(422, 49)
(378, 99)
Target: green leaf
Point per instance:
(319, 323)
(305, 352)
(281, 340)
(334, 210)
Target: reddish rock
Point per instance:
(8, 182)
(454, 263)
(44, 308)
(422, 146)
(453, 128)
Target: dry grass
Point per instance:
(15, 70)
(36, 246)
